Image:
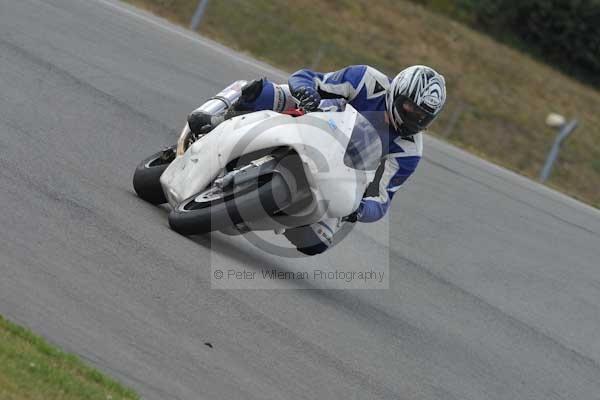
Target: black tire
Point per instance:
(264, 198)
(146, 178)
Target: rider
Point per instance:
(400, 109)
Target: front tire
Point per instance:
(204, 212)
(146, 178)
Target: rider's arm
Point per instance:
(345, 83)
(394, 173)
(394, 170)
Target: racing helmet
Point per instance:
(415, 97)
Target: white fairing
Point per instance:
(320, 139)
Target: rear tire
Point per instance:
(146, 179)
(262, 199)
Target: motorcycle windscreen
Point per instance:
(364, 149)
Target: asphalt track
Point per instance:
(495, 280)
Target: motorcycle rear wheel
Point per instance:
(146, 178)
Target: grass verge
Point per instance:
(30, 368)
(498, 97)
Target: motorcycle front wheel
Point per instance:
(214, 209)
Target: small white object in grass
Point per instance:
(555, 120)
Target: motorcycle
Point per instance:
(263, 170)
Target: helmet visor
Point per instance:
(415, 118)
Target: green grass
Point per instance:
(30, 368)
(503, 93)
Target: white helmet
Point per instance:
(416, 96)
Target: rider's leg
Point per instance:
(263, 94)
(201, 121)
(315, 238)
(259, 94)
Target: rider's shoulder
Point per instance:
(368, 72)
(376, 73)
(352, 73)
(362, 70)
(374, 80)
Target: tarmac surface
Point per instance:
(494, 280)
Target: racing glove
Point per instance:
(308, 98)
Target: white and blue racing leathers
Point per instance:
(364, 88)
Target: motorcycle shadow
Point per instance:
(225, 250)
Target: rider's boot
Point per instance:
(201, 122)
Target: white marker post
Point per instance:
(559, 122)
